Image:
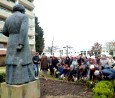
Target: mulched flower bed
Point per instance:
(61, 89)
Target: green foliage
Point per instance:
(90, 84)
(2, 77)
(39, 37)
(103, 89)
(101, 96)
(96, 49)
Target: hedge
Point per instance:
(2, 77)
(104, 89)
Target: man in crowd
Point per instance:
(36, 62)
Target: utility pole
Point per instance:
(52, 48)
(67, 49)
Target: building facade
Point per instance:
(6, 10)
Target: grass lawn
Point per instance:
(2, 69)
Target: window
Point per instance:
(1, 46)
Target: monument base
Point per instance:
(28, 90)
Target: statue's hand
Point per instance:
(19, 47)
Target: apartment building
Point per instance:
(6, 10)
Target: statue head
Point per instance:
(19, 7)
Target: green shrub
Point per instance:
(2, 77)
(103, 89)
(101, 96)
(90, 84)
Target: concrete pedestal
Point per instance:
(28, 90)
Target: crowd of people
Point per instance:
(77, 67)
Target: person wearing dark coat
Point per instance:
(51, 67)
(44, 66)
(19, 67)
(36, 62)
(68, 61)
(55, 62)
(80, 62)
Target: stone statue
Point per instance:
(19, 67)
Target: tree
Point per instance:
(39, 45)
(111, 47)
(96, 49)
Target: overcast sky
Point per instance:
(78, 23)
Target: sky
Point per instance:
(78, 23)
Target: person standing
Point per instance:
(55, 62)
(36, 62)
(51, 67)
(44, 66)
(67, 61)
(19, 67)
(80, 62)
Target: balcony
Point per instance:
(31, 0)
(27, 4)
(7, 4)
(32, 42)
(32, 47)
(2, 51)
(3, 39)
(4, 13)
(29, 13)
(31, 32)
(31, 23)
(1, 24)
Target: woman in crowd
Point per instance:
(44, 66)
(103, 62)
